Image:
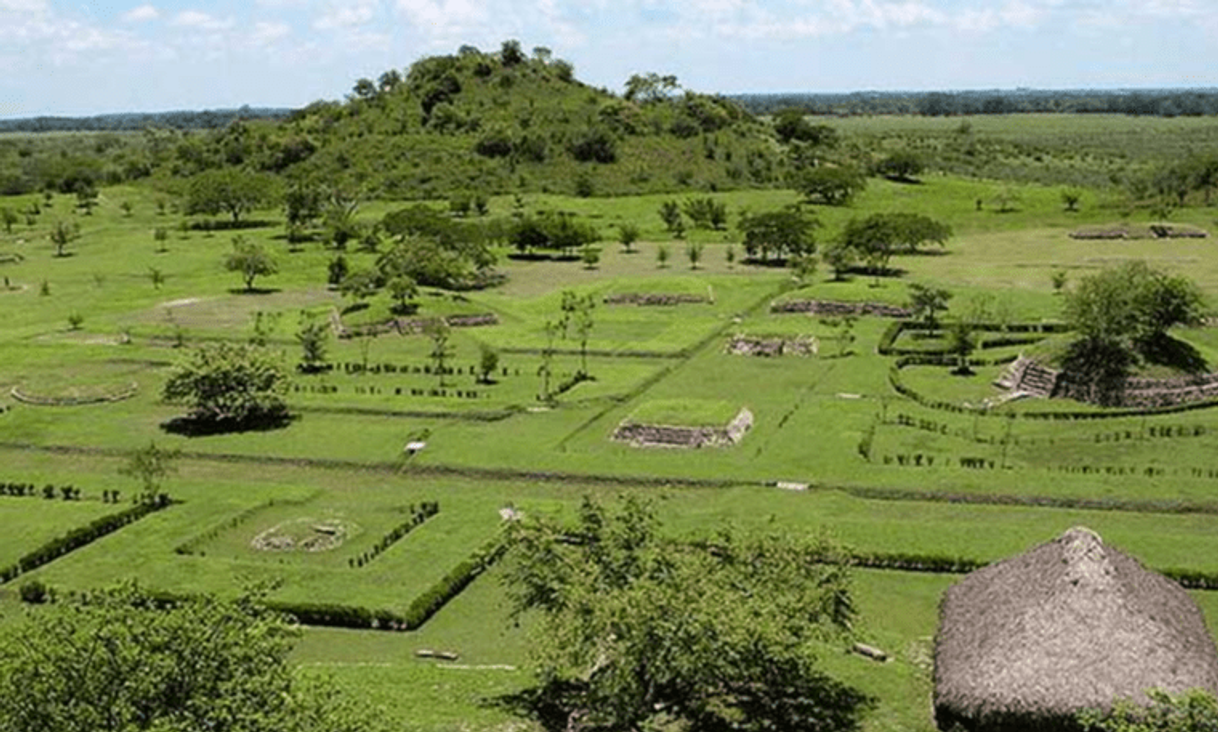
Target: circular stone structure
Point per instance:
(1028, 642)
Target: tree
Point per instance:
(830, 185)
(546, 369)
(590, 256)
(792, 125)
(161, 235)
(705, 212)
(441, 350)
(650, 87)
(961, 342)
(662, 254)
(122, 659)
(302, 205)
(639, 631)
(359, 285)
(404, 290)
(1132, 304)
(312, 338)
(229, 384)
(250, 260)
(670, 214)
(927, 302)
(488, 362)
(903, 166)
(840, 257)
(150, 466)
(1071, 197)
(1058, 279)
(693, 250)
(336, 270)
(229, 190)
(510, 53)
(86, 196)
(63, 233)
(577, 315)
(627, 235)
(9, 217)
(787, 232)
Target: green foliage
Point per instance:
(63, 233)
(229, 384)
(404, 290)
(705, 213)
(119, 659)
(150, 466)
(488, 362)
(75, 320)
(693, 251)
(1131, 304)
(577, 316)
(359, 285)
(229, 190)
(787, 232)
(559, 230)
(637, 629)
(627, 235)
(312, 337)
(1192, 711)
(927, 302)
(8, 217)
(879, 236)
(792, 125)
(903, 165)
(1071, 198)
(251, 260)
(662, 254)
(670, 214)
(337, 270)
(830, 185)
(840, 257)
(441, 350)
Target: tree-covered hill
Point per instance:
(504, 121)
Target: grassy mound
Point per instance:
(684, 412)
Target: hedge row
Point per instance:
(396, 391)
(451, 585)
(941, 564)
(81, 536)
(418, 515)
(48, 491)
(886, 346)
(333, 615)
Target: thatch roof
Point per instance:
(1026, 643)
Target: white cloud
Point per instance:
(268, 33)
(346, 14)
(201, 21)
(141, 14)
(447, 17)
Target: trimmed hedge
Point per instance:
(418, 515)
(191, 545)
(81, 536)
(451, 585)
(886, 346)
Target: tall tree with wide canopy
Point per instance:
(638, 629)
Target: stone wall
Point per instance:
(833, 309)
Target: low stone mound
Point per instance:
(835, 309)
(1151, 231)
(654, 299)
(77, 397)
(303, 534)
(655, 435)
(772, 346)
(414, 326)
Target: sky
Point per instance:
(68, 57)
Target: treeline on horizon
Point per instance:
(209, 119)
(1135, 102)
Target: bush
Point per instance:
(34, 592)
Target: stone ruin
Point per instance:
(772, 346)
(651, 435)
(414, 326)
(831, 309)
(654, 299)
(1027, 376)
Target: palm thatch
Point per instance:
(1026, 643)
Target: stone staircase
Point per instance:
(1025, 375)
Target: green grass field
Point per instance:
(885, 473)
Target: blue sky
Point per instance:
(73, 58)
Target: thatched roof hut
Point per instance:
(1026, 643)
